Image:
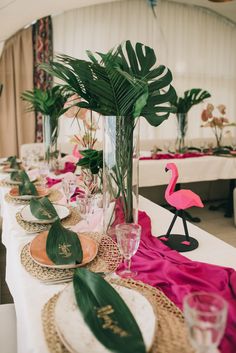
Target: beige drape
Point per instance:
(16, 74)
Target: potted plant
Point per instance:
(50, 104)
(121, 85)
(183, 105)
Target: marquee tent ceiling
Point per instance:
(15, 14)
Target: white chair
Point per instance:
(31, 148)
(8, 340)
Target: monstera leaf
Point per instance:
(191, 97)
(141, 63)
(99, 304)
(122, 82)
(63, 246)
(43, 209)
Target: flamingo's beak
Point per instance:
(166, 169)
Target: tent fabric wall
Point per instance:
(198, 46)
(16, 74)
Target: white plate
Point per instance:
(13, 182)
(3, 169)
(27, 216)
(77, 336)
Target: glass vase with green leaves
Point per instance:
(50, 103)
(122, 85)
(183, 105)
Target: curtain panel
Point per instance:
(198, 46)
(16, 74)
(43, 53)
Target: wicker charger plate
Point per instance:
(71, 220)
(107, 260)
(171, 333)
(54, 196)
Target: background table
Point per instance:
(207, 168)
(30, 295)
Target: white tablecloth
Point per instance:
(30, 295)
(152, 172)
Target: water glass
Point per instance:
(85, 205)
(205, 315)
(69, 186)
(128, 239)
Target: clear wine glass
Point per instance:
(85, 205)
(205, 315)
(69, 186)
(128, 239)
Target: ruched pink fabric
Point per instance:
(176, 276)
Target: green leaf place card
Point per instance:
(14, 164)
(26, 187)
(43, 209)
(106, 314)
(63, 246)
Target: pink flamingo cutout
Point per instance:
(180, 200)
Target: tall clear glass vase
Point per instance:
(120, 171)
(50, 135)
(182, 121)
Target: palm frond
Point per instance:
(125, 81)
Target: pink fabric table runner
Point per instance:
(174, 156)
(176, 276)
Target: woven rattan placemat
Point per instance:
(171, 333)
(54, 196)
(107, 260)
(69, 221)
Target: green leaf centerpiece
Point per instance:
(63, 246)
(106, 314)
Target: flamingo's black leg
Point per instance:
(172, 223)
(185, 228)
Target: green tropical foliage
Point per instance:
(49, 102)
(99, 301)
(123, 82)
(191, 97)
(92, 160)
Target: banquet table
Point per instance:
(205, 168)
(30, 295)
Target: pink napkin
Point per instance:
(77, 192)
(174, 155)
(52, 181)
(69, 167)
(92, 224)
(176, 276)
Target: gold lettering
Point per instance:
(108, 323)
(64, 250)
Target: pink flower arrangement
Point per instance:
(217, 124)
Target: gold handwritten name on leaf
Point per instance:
(45, 212)
(104, 313)
(64, 250)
